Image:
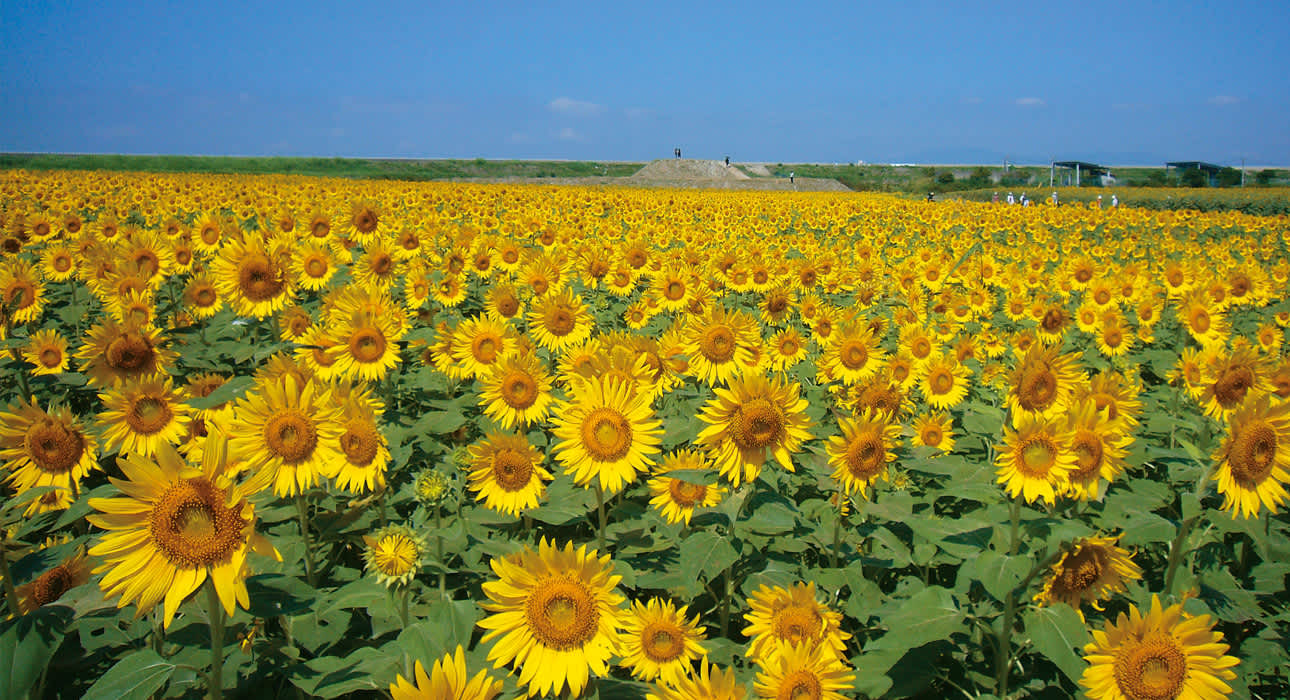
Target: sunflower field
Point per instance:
(278, 436)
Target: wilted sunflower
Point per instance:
(658, 642)
(755, 416)
(1254, 459)
(253, 277)
(559, 320)
(448, 680)
(607, 434)
(677, 498)
(51, 585)
(117, 352)
(394, 553)
(710, 682)
(555, 614)
(174, 526)
(289, 430)
(140, 416)
(859, 456)
(47, 350)
(1035, 459)
(1164, 655)
(782, 618)
(506, 473)
(804, 672)
(1094, 569)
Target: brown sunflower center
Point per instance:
(560, 321)
(1037, 456)
(1037, 388)
(801, 684)
(853, 354)
(519, 390)
(1088, 451)
(259, 277)
(1113, 337)
(776, 303)
(662, 641)
(539, 285)
(320, 228)
(51, 585)
(756, 424)
(367, 344)
(865, 456)
(686, 494)
(920, 348)
(1253, 453)
(484, 348)
(788, 347)
(50, 357)
(315, 266)
(932, 435)
(718, 344)
(365, 220)
(130, 352)
(507, 305)
(561, 613)
(208, 234)
(606, 434)
(512, 469)
(62, 262)
(148, 414)
(192, 525)
(360, 442)
(941, 380)
(290, 436)
(1200, 320)
(1080, 571)
(1153, 669)
(796, 624)
(381, 264)
(53, 447)
(204, 296)
(1232, 384)
(674, 290)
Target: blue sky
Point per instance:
(1114, 82)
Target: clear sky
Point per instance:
(1113, 82)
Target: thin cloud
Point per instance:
(575, 108)
(1029, 102)
(1223, 100)
(568, 134)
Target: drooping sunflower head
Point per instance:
(677, 498)
(1092, 570)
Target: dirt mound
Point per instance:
(689, 169)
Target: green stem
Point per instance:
(215, 680)
(403, 605)
(302, 514)
(1176, 553)
(1014, 540)
(600, 511)
(10, 593)
(438, 549)
(837, 535)
(725, 603)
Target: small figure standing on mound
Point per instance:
(791, 175)
(727, 161)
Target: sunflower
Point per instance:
(560, 320)
(804, 672)
(754, 416)
(852, 354)
(44, 448)
(917, 343)
(1099, 448)
(141, 415)
(1166, 654)
(1113, 339)
(115, 352)
(362, 443)
(934, 430)
(1035, 459)
(290, 431)
(1115, 395)
(394, 553)
(780, 619)
(174, 526)
(1206, 324)
(367, 346)
(517, 391)
(58, 262)
(787, 348)
(506, 473)
(944, 381)
(52, 584)
(46, 349)
(1230, 379)
(480, 343)
(447, 680)
(719, 344)
(201, 296)
(377, 267)
(859, 456)
(606, 432)
(555, 614)
(658, 642)
(711, 682)
(1254, 459)
(253, 277)
(677, 498)
(314, 264)
(1093, 570)
(22, 296)
(672, 287)
(1041, 384)
(363, 225)
(503, 303)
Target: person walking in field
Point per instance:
(1011, 199)
(995, 198)
(1115, 201)
(791, 174)
(1054, 197)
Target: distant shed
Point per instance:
(1082, 169)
